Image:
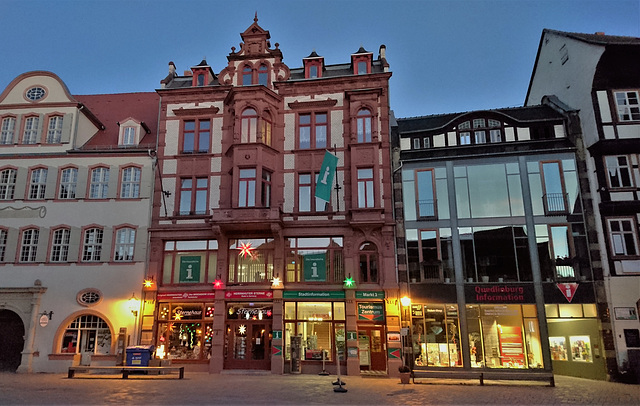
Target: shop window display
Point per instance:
(580, 348)
(185, 331)
(558, 347)
(321, 327)
(436, 335)
(189, 262)
(87, 334)
(504, 336)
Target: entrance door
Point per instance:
(87, 345)
(372, 348)
(12, 339)
(248, 344)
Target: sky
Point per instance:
(445, 55)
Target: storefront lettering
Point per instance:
(502, 293)
(188, 313)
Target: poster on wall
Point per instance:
(315, 268)
(625, 313)
(511, 348)
(190, 269)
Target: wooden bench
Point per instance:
(125, 370)
(481, 375)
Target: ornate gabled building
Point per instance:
(260, 260)
(597, 75)
(76, 181)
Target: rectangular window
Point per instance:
(362, 68)
(495, 135)
(465, 138)
(196, 136)
(363, 125)
(307, 202)
(416, 143)
(92, 245)
(193, 196)
(426, 142)
(68, 182)
(623, 236)
(7, 130)
(312, 130)
(125, 242)
(628, 106)
(99, 187)
(481, 137)
(436, 333)
(7, 184)
(130, 186)
(38, 184)
(315, 260)
(251, 260)
(3, 244)
(54, 132)
(618, 171)
(426, 193)
(560, 250)
(321, 329)
(30, 135)
(478, 123)
(554, 198)
(129, 136)
(60, 245)
(29, 245)
(365, 188)
(193, 261)
(247, 188)
(266, 189)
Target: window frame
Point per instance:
(198, 136)
(612, 241)
(368, 186)
(372, 256)
(249, 125)
(3, 243)
(334, 248)
(37, 183)
(129, 136)
(313, 127)
(54, 135)
(419, 194)
(66, 187)
(247, 183)
(314, 202)
(60, 245)
(132, 185)
(92, 248)
(192, 195)
(127, 246)
(619, 169)
(364, 125)
(30, 128)
(29, 239)
(100, 186)
(479, 131)
(545, 198)
(8, 183)
(633, 109)
(8, 131)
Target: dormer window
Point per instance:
(202, 75)
(479, 131)
(247, 75)
(361, 62)
(200, 79)
(263, 76)
(313, 65)
(129, 136)
(130, 132)
(362, 68)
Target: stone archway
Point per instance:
(12, 339)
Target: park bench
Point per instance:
(125, 370)
(481, 375)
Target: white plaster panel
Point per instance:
(216, 164)
(169, 166)
(289, 192)
(559, 131)
(169, 185)
(336, 129)
(453, 139)
(289, 161)
(603, 104)
(621, 196)
(171, 137)
(171, 107)
(609, 133)
(214, 192)
(629, 131)
(289, 132)
(509, 134)
(405, 144)
(216, 135)
(523, 134)
(438, 140)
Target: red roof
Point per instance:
(113, 108)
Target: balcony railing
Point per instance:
(554, 203)
(426, 208)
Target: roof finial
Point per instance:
(255, 19)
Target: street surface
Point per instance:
(252, 389)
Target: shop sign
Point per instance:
(190, 269)
(313, 294)
(186, 312)
(353, 352)
(249, 294)
(568, 290)
(277, 334)
(501, 293)
(623, 313)
(186, 295)
(394, 353)
(315, 268)
(416, 310)
(44, 320)
(352, 335)
(276, 350)
(393, 337)
(370, 311)
(369, 295)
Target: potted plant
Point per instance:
(405, 374)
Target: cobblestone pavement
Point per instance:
(251, 389)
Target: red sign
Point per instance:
(511, 349)
(568, 290)
(186, 295)
(249, 294)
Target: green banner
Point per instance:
(312, 294)
(315, 267)
(352, 335)
(325, 176)
(190, 269)
(277, 334)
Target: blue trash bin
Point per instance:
(139, 355)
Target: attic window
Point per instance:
(128, 136)
(484, 131)
(35, 93)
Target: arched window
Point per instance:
(86, 334)
(265, 130)
(364, 125)
(368, 263)
(263, 76)
(249, 126)
(247, 76)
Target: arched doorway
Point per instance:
(12, 339)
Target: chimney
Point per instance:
(172, 69)
(599, 32)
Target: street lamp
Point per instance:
(405, 301)
(134, 306)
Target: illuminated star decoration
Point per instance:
(276, 282)
(349, 282)
(242, 329)
(247, 250)
(148, 283)
(178, 316)
(218, 284)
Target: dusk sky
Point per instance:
(446, 55)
